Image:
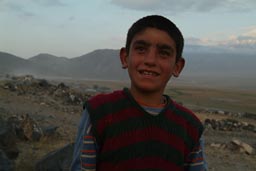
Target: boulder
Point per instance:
(31, 129)
(8, 140)
(58, 160)
(25, 127)
(242, 146)
(5, 163)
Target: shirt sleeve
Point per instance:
(196, 160)
(84, 155)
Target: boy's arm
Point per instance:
(84, 156)
(196, 160)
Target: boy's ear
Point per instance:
(178, 67)
(123, 57)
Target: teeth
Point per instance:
(148, 73)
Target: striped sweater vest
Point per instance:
(131, 139)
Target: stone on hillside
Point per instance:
(43, 83)
(26, 128)
(242, 146)
(5, 163)
(58, 160)
(31, 129)
(50, 130)
(8, 140)
(228, 125)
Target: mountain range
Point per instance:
(202, 66)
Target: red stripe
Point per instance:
(117, 117)
(195, 160)
(146, 134)
(88, 137)
(88, 164)
(141, 163)
(88, 151)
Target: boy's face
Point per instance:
(151, 60)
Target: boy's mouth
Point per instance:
(148, 73)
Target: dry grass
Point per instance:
(222, 99)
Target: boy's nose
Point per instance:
(150, 57)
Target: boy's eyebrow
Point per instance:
(164, 46)
(142, 42)
(160, 46)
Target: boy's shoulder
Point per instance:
(102, 98)
(180, 109)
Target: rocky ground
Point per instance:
(38, 116)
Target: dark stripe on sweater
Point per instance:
(143, 149)
(107, 108)
(141, 164)
(189, 115)
(191, 130)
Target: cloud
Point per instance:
(18, 5)
(17, 8)
(251, 31)
(26, 8)
(245, 42)
(185, 6)
(49, 3)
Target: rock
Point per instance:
(8, 140)
(242, 147)
(218, 145)
(247, 148)
(14, 122)
(26, 128)
(43, 83)
(228, 125)
(50, 130)
(5, 163)
(250, 115)
(31, 129)
(11, 86)
(58, 160)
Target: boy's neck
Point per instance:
(153, 99)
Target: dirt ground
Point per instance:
(47, 110)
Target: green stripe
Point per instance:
(190, 119)
(108, 108)
(144, 149)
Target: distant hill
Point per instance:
(202, 67)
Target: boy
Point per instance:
(140, 128)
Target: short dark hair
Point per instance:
(158, 22)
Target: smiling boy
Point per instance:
(140, 128)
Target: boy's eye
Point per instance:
(140, 49)
(164, 53)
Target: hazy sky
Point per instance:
(73, 28)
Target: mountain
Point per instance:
(10, 62)
(99, 64)
(203, 66)
(56, 66)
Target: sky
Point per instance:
(68, 28)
